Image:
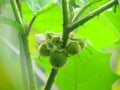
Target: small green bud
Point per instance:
(43, 50)
(72, 35)
(49, 35)
(56, 40)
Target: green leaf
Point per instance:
(50, 20)
(38, 5)
(73, 3)
(114, 18)
(119, 2)
(100, 31)
(6, 20)
(98, 4)
(50, 5)
(27, 12)
(87, 72)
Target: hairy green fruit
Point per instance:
(43, 50)
(56, 40)
(58, 58)
(73, 48)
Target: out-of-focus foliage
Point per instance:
(10, 68)
(100, 31)
(87, 71)
(37, 5)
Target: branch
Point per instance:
(51, 79)
(31, 23)
(25, 58)
(19, 6)
(83, 9)
(16, 11)
(65, 14)
(65, 21)
(92, 15)
(26, 63)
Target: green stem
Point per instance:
(23, 64)
(65, 14)
(51, 79)
(16, 12)
(65, 21)
(83, 9)
(30, 25)
(92, 15)
(26, 63)
(19, 7)
(70, 12)
(65, 37)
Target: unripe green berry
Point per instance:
(58, 58)
(43, 50)
(73, 48)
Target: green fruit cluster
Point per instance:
(52, 47)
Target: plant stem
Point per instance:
(65, 37)
(65, 21)
(92, 15)
(80, 12)
(65, 14)
(30, 25)
(83, 9)
(23, 65)
(19, 7)
(16, 11)
(51, 79)
(70, 12)
(26, 63)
